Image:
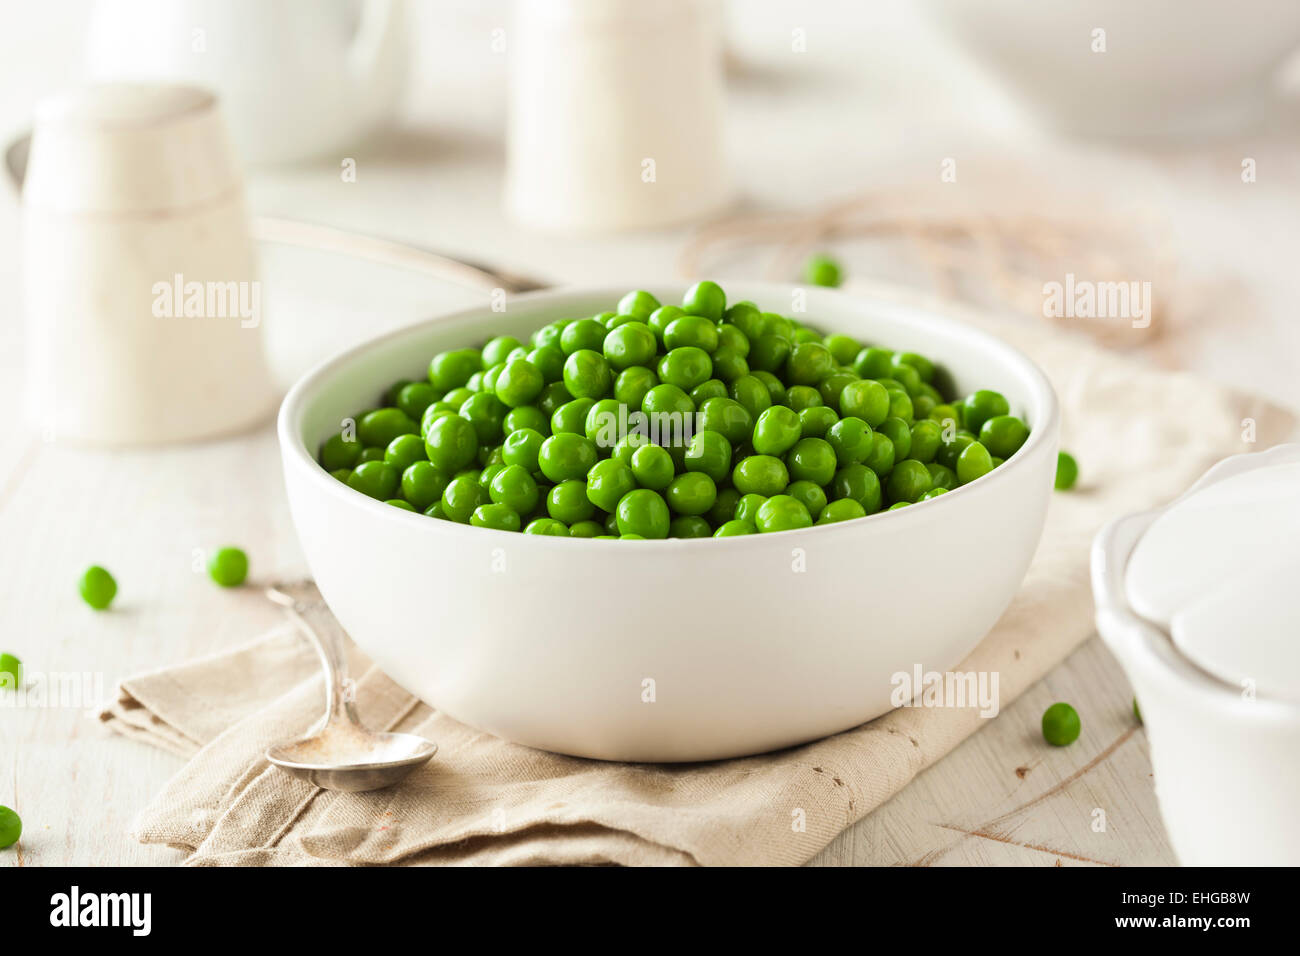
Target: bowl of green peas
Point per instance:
(508, 510)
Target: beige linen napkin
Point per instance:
(1141, 436)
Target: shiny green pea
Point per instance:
(571, 417)
(630, 344)
(867, 400)
(521, 447)
(926, 437)
(728, 417)
(378, 479)
(547, 526)
(690, 526)
(584, 335)
(763, 475)
(816, 421)
(843, 348)
(1067, 471)
(803, 396)
(724, 506)
(498, 516)
(638, 303)
(691, 330)
(874, 362)
(514, 486)
(808, 364)
(809, 494)
(635, 382)
(811, 459)
(982, 405)
(686, 367)
(643, 512)
(566, 456)
(942, 476)
(747, 507)
(667, 399)
(337, 452)
(403, 451)
(586, 529)
(900, 433)
(908, 481)
(415, 397)
(730, 337)
(379, 427)
(713, 388)
(371, 454)
(587, 374)
(845, 509)
(709, 453)
(497, 351)
(450, 443)
(661, 318)
(692, 493)
(607, 482)
(705, 298)
(858, 483)
(752, 394)
(487, 413)
(776, 431)
(461, 497)
(974, 462)
(769, 352)
(735, 527)
(568, 502)
(1061, 725)
(782, 513)
(851, 439)
(448, 370)
(552, 397)
(1003, 435)
(933, 493)
(422, 484)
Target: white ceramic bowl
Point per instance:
(1227, 768)
(668, 650)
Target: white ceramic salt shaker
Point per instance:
(142, 304)
(616, 114)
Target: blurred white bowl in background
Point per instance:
(1169, 68)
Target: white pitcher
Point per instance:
(143, 309)
(297, 79)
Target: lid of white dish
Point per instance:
(129, 149)
(1219, 571)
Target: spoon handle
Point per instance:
(329, 647)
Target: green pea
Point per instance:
(638, 303)
(379, 427)
(423, 484)
(724, 506)
(552, 397)
(694, 331)
(763, 475)
(626, 446)
(730, 337)
(1067, 471)
(584, 335)
(843, 348)
(728, 366)
(435, 511)
(521, 448)
(519, 383)
(498, 516)
(633, 383)
(926, 437)
(458, 397)
(816, 421)
(337, 452)
(809, 363)
(451, 443)
(782, 513)
(643, 512)
(1061, 725)
(691, 494)
(933, 493)
(941, 476)
(547, 526)
(566, 456)
(713, 388)
(341, 474)
(607, 483)
(845, 509)
(448, 370)
(371, 454)
(874, 362)
(809, 494)
(851, 440)
(630, 344)
(568, 502)
(867, 400)
(488, 473)
(586, 529)
(661, 318)
(378, 479)
(403, 451)
(1003, 435)
(803, 396)
(982, 405)
(811, 459)
(950, 451)
(461, 497)
(726, 416)
(689, 526)
(513, 486)
(747, 507)
(400, 504)
(973, 462)
(571, 417)
(898, 504)
(667, 399)
(391, 393)
(769, 352)
(705, 298)
(709, 453)
(858, 483)
(822, 270)
(776, 431)
(900, 403)
(11, 672)
(415, 397)
(752, 394)
(924, 367)
(228, 567)
(908, 481)
(587, 374)
(900, 434)
(686, 367)
(731, 529)
(906, 376)
(11, 827)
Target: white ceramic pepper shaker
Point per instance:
(142, 304)
(616, 114)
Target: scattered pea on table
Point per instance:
(98, 588)
(1060, 725)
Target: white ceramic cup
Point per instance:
(615, 114)
(142, 305)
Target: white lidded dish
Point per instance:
(1188, 598)
(670, 650)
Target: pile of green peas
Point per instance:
(769, 426)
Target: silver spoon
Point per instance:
(339, 752)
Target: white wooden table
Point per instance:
(1002, 797)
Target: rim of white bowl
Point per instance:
(1151, 647)
(294, 408)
